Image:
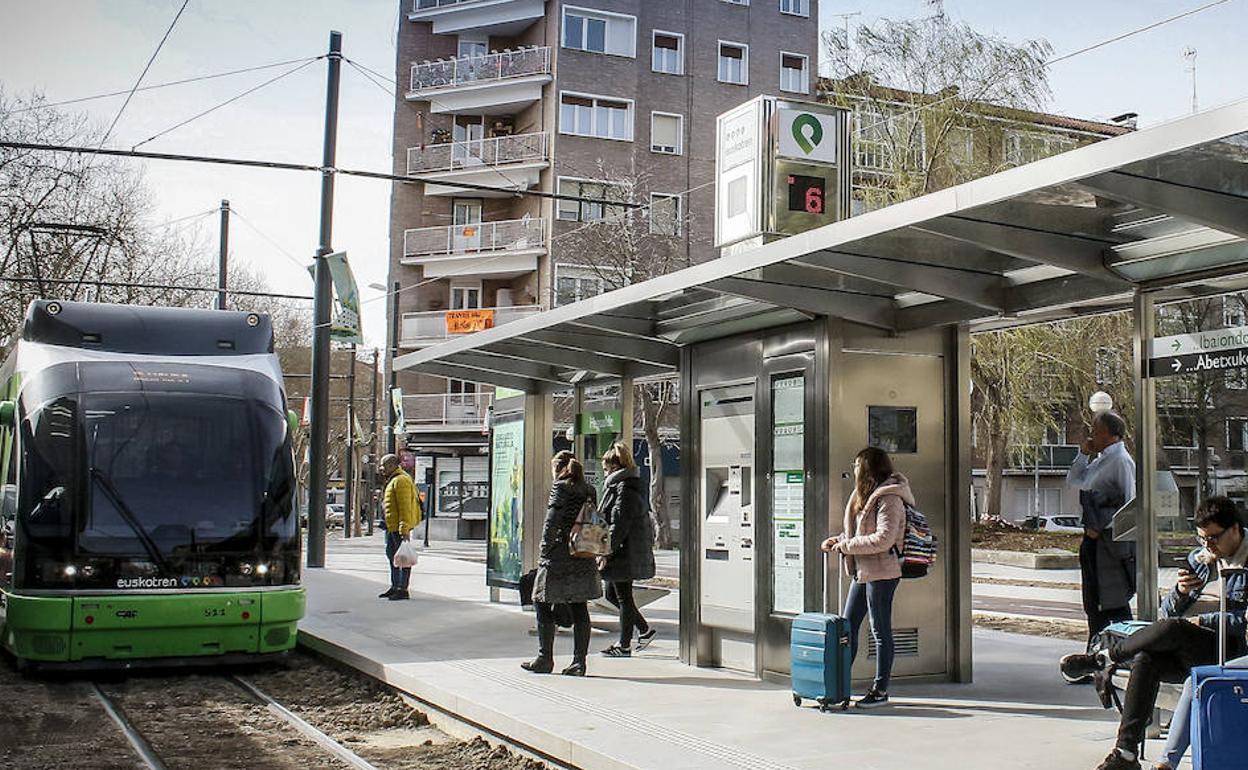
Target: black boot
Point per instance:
(580, 649)
(544, 663)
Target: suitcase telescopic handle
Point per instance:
(840, 580)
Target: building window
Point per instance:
(585, 211)
(793, 72)
(961, 143)
(1233, 311)
(1237, 434)
(597, 116)
(734, 63)
(1023, 147)
(888, 141)
(1108, 363)
(465, 296)
(795, 7)
(736, 2)
(599, 32)
(668, 53)
(1178, 431)
(665, 216)
(1237, 379)
(666, 130)
(574, 283)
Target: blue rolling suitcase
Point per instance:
(820, 668)
(1220, 710)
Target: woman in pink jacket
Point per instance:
(875, 527)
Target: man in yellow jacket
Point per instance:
(403, 514)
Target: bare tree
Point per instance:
(622, 246)
(929, 96)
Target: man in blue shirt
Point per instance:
(1105, 485)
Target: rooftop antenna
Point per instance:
(1189, 55)
(845, 17)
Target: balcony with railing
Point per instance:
(509, 162)
(431, 327)
(500, 249)
(491, 17)
(491, 84)
(424, 413)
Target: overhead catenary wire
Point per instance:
(286, 166)
(137, 285)
(229, 101)
(272, 242)
(143, 74)
(155, 86)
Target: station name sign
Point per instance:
(1209, 351)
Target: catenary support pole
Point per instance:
(392, 439)
(321, 313)
(224, 256)
(1145, 460)
(350, 517)
(370, 513)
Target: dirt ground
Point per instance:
(1003, 538)
(1053, 628)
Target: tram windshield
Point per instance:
(175, 472)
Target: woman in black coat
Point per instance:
(561, 578)
(626, 512)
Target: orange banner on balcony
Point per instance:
(468, 321)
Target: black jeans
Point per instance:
(1098, 618)
(620, 594)
(1164, 651)
(580, 628)
(399, 578)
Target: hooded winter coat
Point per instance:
(561, 578)
(627, 515)
(875, 534)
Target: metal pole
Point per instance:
(372, 451)
(320, 331)
(1146, 460)
(391, 438)
(223, 256)
(350, 519)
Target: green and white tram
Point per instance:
(148, 506)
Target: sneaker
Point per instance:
(1079, 665)
(873, 699)
(644, 640)
(399, 595)
(1116, 761)
(616, 651)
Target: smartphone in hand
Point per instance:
(1182, 563)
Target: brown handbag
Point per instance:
(588, 540)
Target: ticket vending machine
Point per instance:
(728, 546)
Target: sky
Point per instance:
(69, 49)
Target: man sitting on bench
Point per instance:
(1168, 649)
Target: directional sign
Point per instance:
(1168, 366)
(1200, 342)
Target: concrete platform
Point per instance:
(451, 647)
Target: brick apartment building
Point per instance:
(565, 97)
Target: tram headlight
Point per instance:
(70, 570)
(245, 568)
(262, 569)
(88, 571)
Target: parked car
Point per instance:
(335, 515)
(1061, 522)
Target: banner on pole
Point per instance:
(396, 409)
(345, 324)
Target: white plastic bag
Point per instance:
(406, 556)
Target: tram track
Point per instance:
(227, 706)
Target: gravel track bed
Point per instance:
(57, 724)
(369, 718)
(195, 722)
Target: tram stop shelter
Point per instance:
(793, 355)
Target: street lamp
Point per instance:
(1100, 402)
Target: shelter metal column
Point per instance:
(1145, 460)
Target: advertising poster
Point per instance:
(504, 559)
(788, 493)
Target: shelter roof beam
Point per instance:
(1221, 211)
